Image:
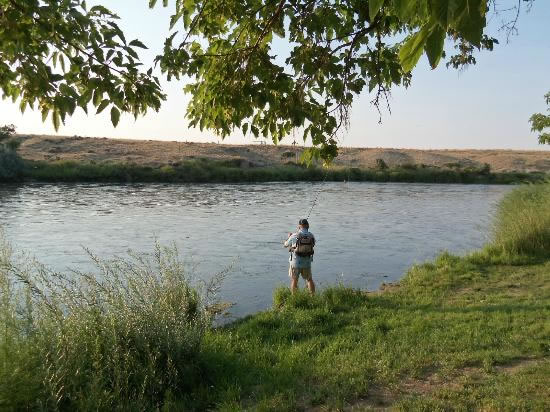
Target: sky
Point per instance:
(486, 106)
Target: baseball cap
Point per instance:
(303, 222)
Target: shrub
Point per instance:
(288, 154)
(11, 165)
(7, 132)
(485, 169)
(408, 166)
(381, 164)
(125, 338)
(522, 224)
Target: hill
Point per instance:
(157, 153)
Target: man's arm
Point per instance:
(291, 239)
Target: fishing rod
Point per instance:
(317, 194)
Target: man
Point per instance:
(301, 246)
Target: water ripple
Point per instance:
(367, 232)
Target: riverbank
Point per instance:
(457, 333)
(155, 154)
(82, 159)
(232, 171)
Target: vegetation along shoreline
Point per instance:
(466, 332)
(231, 171)
(79, 159)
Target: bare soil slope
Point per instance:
(155, 153)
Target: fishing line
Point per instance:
(318, 193)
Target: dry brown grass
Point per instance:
(155, 153)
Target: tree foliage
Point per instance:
(61, 55)
(11, 165)
(541, 122)
(337, 49)
(6, 132)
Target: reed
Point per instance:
(230, 171)
(522, 225)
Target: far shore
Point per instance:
(155, 153)
(81, 159)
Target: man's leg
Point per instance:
(293, 279)
(311, 286)
(306, 273)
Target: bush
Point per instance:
(485, 169)
(7, 132)
(125, 338)
(11, 165)
(381, 164)
(408, 166)
(288, 154)
(522, 224)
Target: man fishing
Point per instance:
(301, 246)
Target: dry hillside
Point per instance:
(154, 153)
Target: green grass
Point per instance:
(343, 344)
(458, 333)
(204, 170)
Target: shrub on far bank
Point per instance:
(230, 171)
(11, 165)
(125, 338)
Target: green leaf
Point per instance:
(434, 46)
(45, 112)
(132, 53)
(473, 21)
(410, 52)
(441, 10)
(405, 9)
(255, 131)
(374, 7)
(115, 116)
(62, 63)
(137, 43)
(97, 98)
(56, 120)
(102, 106)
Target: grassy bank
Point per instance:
(231, 171)
(457, 333)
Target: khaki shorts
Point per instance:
(295, 272)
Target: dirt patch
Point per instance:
(382, 398)
(157, 153)
(385, 288)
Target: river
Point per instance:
(367, 233)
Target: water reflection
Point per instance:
(367, 233)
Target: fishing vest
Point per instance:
(304, 245)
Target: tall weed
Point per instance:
(127, 337)
(522, 224)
